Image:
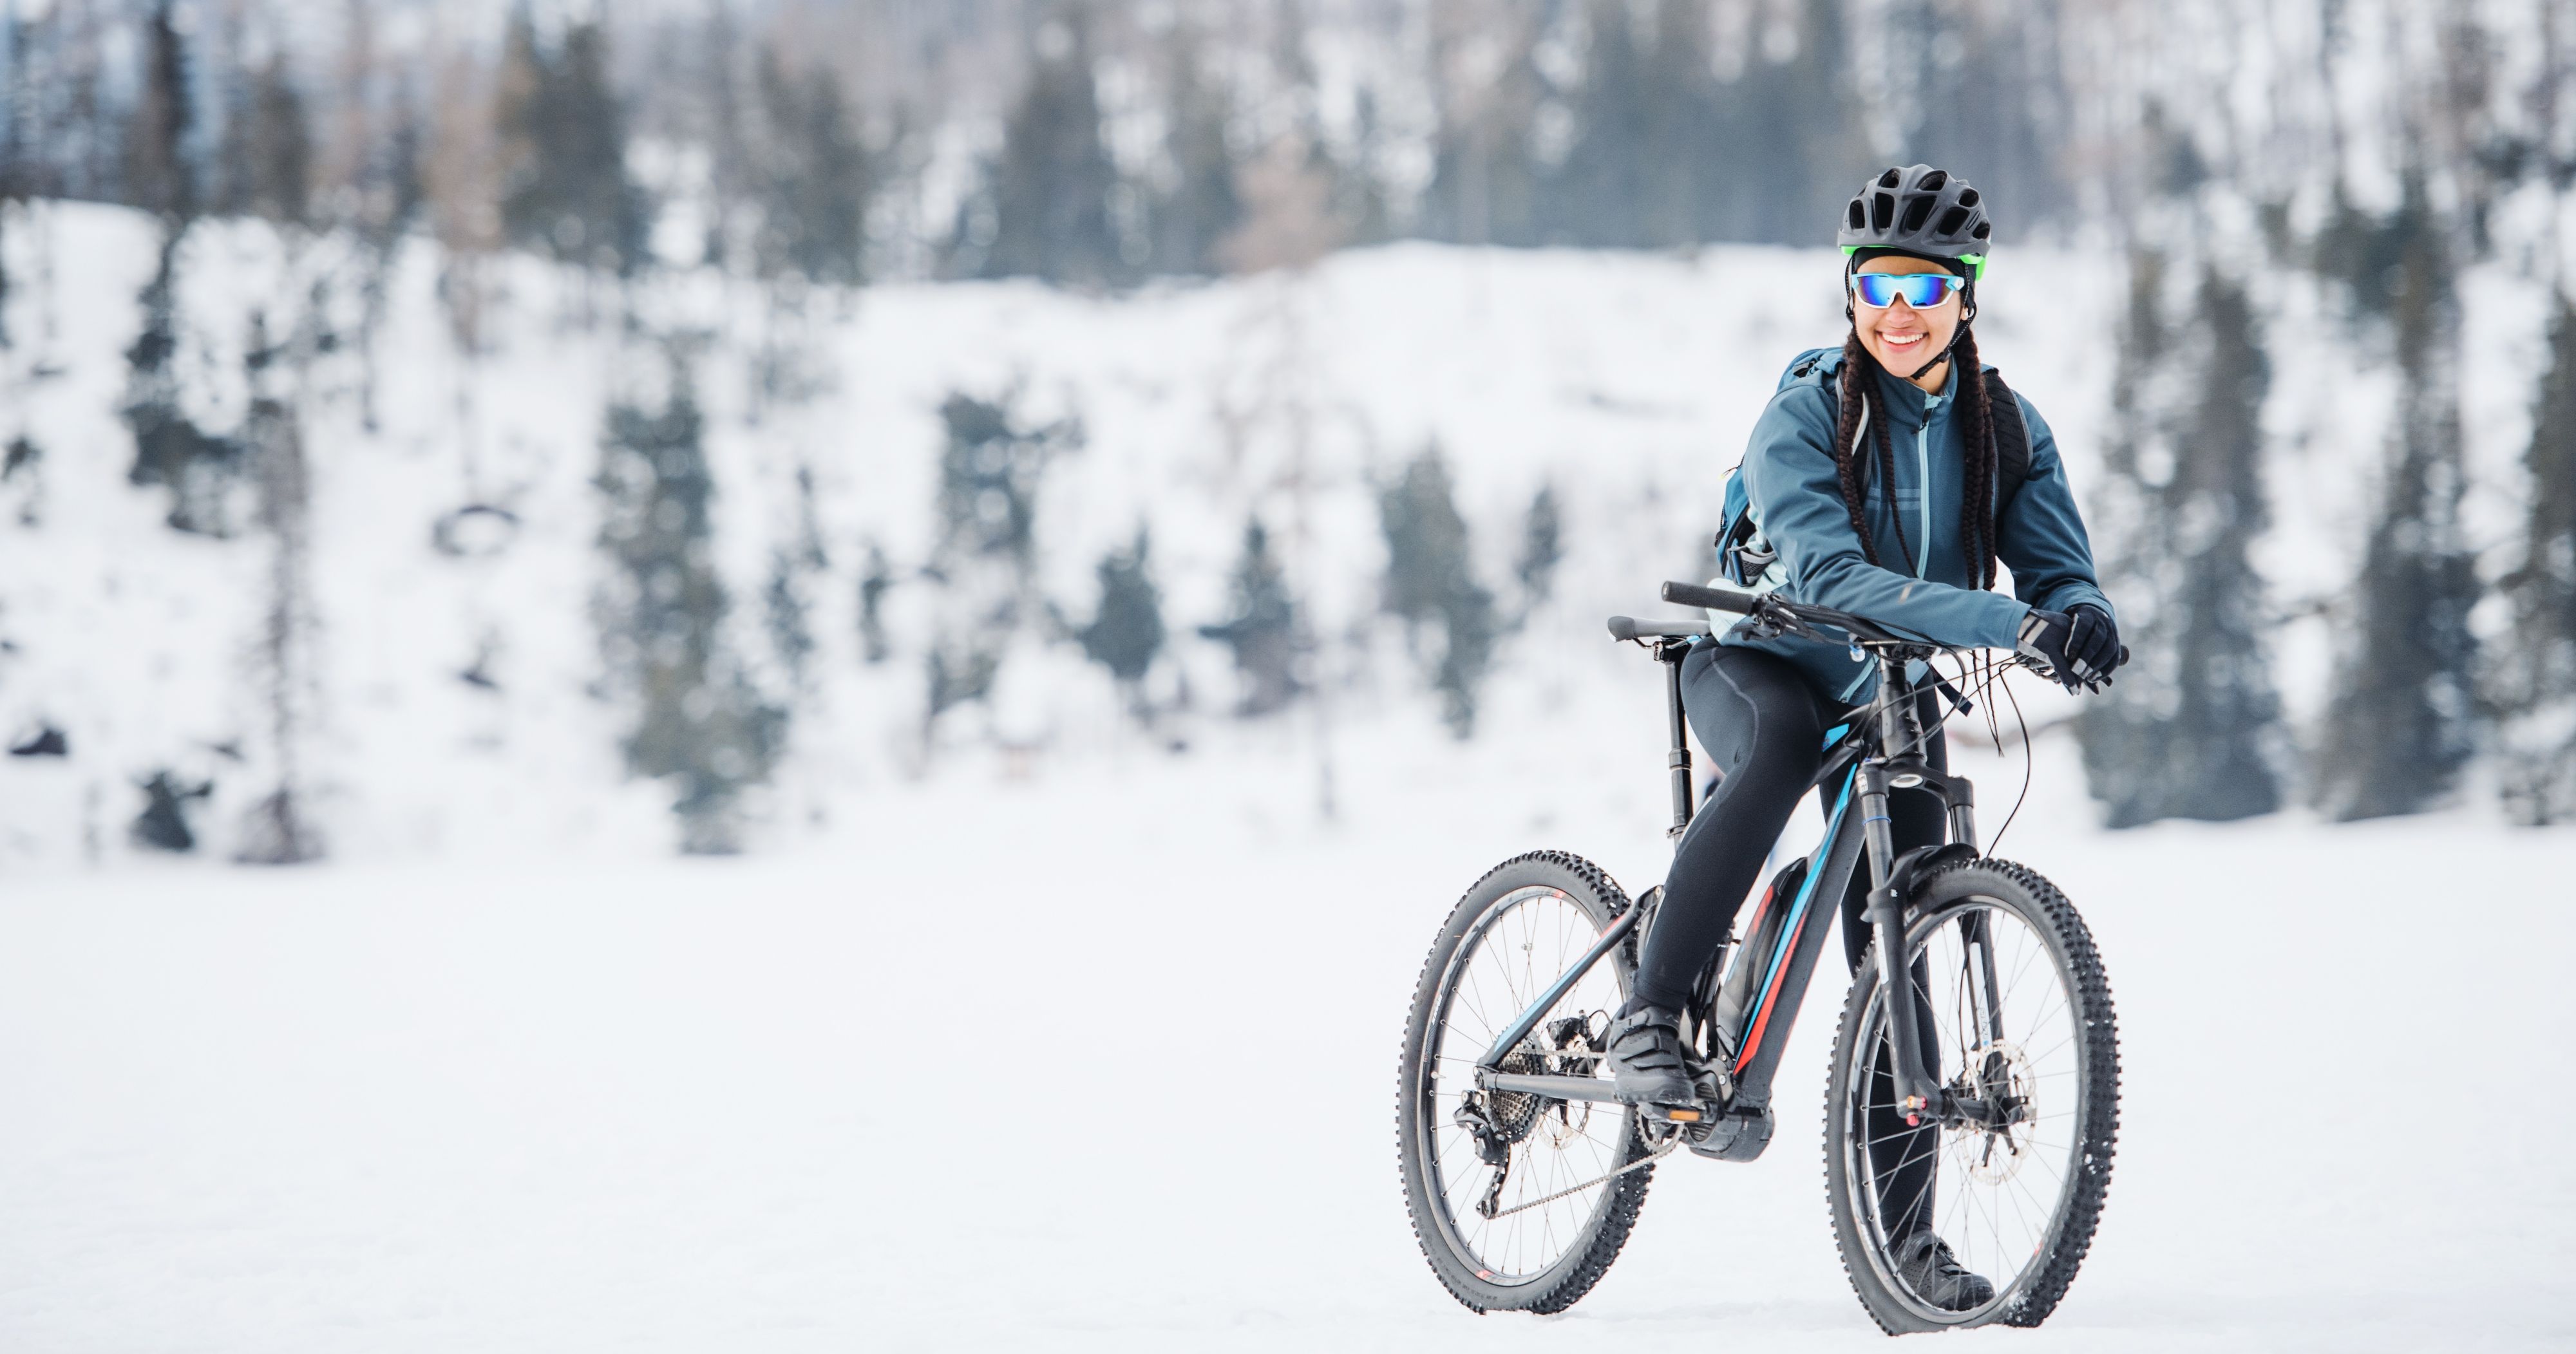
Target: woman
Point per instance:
(1874, 476)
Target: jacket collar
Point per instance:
(1907, 404)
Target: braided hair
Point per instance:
(1860, 403)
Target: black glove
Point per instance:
(2093, 644)
(2079, 650)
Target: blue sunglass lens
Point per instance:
(1922, 291)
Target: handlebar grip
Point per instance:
(1711, 599)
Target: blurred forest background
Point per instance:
(256, 249)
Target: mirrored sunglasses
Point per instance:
(1922, 291)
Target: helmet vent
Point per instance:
(1983, 230)
(1934, 181)
(1916, 212)
(1952, 220)
(1890, 178)
(1858, 215)
(1882, 212)
(1967, 197)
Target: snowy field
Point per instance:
(1105, 1061)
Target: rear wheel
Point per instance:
(2021, 1027)
(1520, 1203)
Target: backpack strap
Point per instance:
(2012, 441)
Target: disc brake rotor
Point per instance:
(1999, 1074)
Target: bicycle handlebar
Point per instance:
(1784, 613)
(1781, 614)
(1710, 599)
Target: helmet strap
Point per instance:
(1967, 312)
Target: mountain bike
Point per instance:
(1985, 1108)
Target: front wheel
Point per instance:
(1520, 1202)
(2016, 1025)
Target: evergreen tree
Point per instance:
(1359, 190)
(1262, 632)
(1682, 131)
(791, 630)
(159, 177)
(268, 151)
(874, 584)
(1201, 207)
(279, 831)
(2534, 682)
(163, 824)
(2399, 727)
(1793, 128)
(1600, 194)
(1985, 100)
(814, 195)
(201, 470)
(986, 555)
(1126, 632)
(1542, 548)
(662, 614)
(564, 186)
(2190, 730)
(1430, 584)
(1052, 186)
(1486, 176)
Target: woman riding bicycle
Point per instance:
(1881, 486)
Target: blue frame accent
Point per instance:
(1807, 890)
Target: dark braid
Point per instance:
(1977, 442)
(1860, 399)
(1855, 399)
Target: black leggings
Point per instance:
(1764, 729)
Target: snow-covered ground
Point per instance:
(1105, 1061)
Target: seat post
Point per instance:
(1670, 653)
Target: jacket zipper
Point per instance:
(1923, 493)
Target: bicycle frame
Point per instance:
(1866, 775)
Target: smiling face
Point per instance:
(1901, 337)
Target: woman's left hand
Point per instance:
(2092, 645)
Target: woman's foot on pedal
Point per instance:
(1925, 1263)
(1647, 1059)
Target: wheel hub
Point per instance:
(1997, 1077)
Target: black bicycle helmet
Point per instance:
(1918, 210)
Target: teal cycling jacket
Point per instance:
(1796, 499)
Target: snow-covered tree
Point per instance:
(662, 613)
(564, 186)
(1430, 584)
(1200, 206)
(2192, 729)
(1262, 629)
(985, 559)
(1125, 633)
(2533, 684)
(1051, 189)
(2402, 721)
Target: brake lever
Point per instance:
(1772, 620)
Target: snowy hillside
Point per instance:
(454, 695)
